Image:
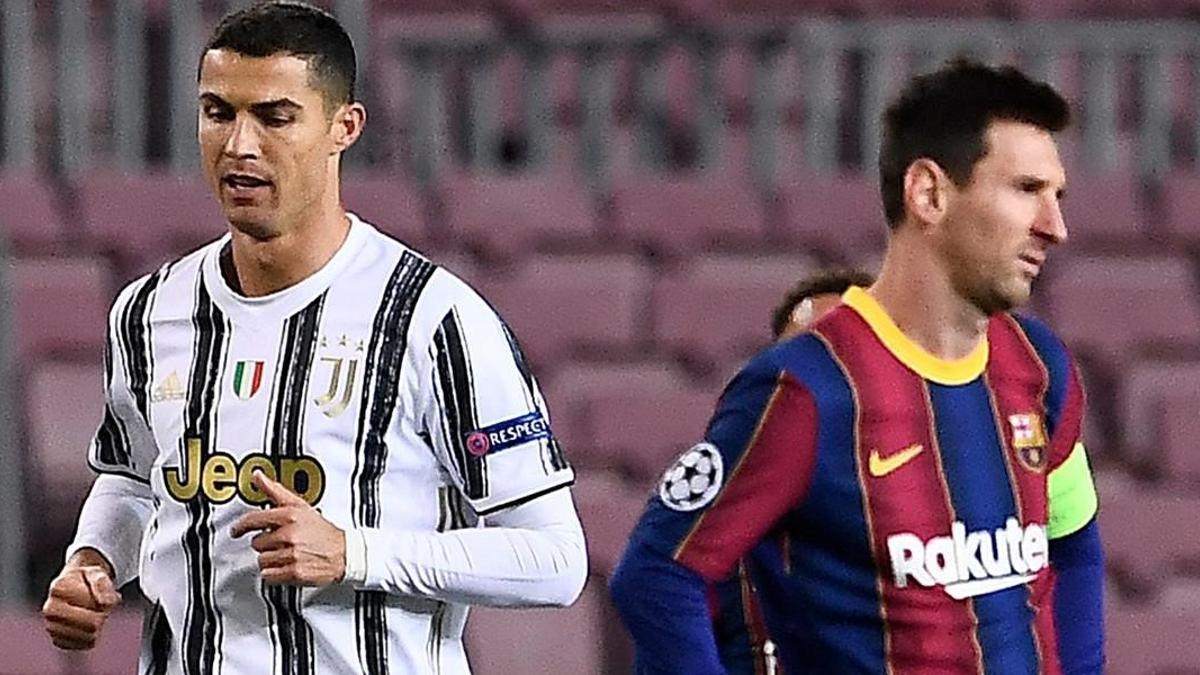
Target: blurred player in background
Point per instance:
(306, 421)
(741, 635)
(908, 475)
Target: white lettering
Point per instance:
(970, 563)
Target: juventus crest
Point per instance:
(340, 373)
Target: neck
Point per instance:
(915, 290)
(265, 266)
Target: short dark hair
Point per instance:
(943, 116)
(296, 29)
(834, 280)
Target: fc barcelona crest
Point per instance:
(247, 378)
(1029, 440)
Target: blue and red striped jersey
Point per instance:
(895, 509)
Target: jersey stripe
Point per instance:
(385, 356)
(291, 635)
(209, 351)
(457, 392)
(135, 328)
(909, 498)
(157, 631)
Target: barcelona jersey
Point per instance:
(896, 510)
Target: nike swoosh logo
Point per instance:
(969, 589)
(882, 466)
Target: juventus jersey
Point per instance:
(381, 389)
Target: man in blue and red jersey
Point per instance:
(907, 479)
(742, 640)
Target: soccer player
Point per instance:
(907, 478)
(318, 447)
(742, 639)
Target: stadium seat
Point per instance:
(388, 201)
(1149, 534)
(1110, 306)
(30, 220)
(677, 214)
(59, 307)
(116, 652)
(838, 216)
(633, 417)
(146, 219)
(540, 641)
(1156, 422)
(572, 304)
(59, 434)
(25, 649)
(1103, 209)
(1152, 640)
(509, 215)
(717, 305)
(608, 507)
(1180, 197)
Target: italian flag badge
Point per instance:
(247, 377)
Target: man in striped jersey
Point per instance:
(318, 447)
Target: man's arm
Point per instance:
(1077, 559)
(757, 458)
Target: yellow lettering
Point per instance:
(185, 486)
(251, 494)
(314, 485)
(220, 478)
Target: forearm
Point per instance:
(111, 524)
(531, 555)
(665, 607)
(1078, 563)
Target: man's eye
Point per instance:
(215, 113)
(277, 121)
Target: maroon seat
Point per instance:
(676, 214)
(1152, 640)
(1181, 206)
(25, 648)
(116, 652)
(1155, 420)
(608, 508)
(841, 216)
(632, 417)
(30, 219)
(147, 219)
(540, 641)
(64, 406)
(1103, 209)
(1109, 306)
(572, 304)
(390, 202)
(1148, 534)
(60, 307)
(718, 305)
(509, 214)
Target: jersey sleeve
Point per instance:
(724, 494)
(487, 419)
(124, 444)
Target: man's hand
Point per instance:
(79, 601)
(295, 544)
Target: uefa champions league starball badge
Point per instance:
(694, 479)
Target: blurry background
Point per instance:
(634, 183)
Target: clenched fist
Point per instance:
(79, 601)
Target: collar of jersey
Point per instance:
(911, 354)
(284, 303)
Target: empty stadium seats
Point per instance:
(838, 216)
(64, 407)
(676, 214)
(30, 220)
(25, 647)
(59, 307)
(608, 507)
(388, 201)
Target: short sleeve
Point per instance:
(124, 443)
(488, 421)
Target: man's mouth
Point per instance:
(244, 181)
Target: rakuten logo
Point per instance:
(967, 564)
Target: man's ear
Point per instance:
(347, 125)
(926, 192)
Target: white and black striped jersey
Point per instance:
(382, 389)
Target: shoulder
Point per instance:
(174, 278)
(1045, 345)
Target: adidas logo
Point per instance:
(171, 389)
